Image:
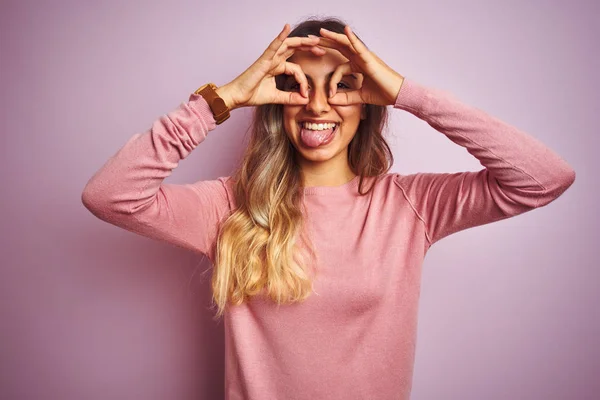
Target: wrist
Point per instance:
(399, 88)
(224, 93)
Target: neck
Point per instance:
(326, 176)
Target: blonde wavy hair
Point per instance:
(259, 246)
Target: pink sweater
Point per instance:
(355, 337)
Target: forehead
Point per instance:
(318, 66)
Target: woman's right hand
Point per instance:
(256, 85)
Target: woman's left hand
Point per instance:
(380, 83)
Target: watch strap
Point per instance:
(216, 103)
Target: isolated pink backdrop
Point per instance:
(89, 311)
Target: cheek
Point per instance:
(289, 117)
(349, 113)
(289, 113)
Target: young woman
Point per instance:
(317, 249)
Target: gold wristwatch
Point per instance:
(216, 103)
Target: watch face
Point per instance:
(219, 105)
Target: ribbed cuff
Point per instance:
(199, 104)
(412, 96)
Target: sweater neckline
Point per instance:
(348, 187)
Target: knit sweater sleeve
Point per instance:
(520, 173)
(129, 192)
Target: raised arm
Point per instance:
(128, 191)
(520, 174)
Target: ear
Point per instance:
(363, 111)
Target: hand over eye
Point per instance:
(380, 83)
(256, 85)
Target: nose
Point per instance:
(318, 101)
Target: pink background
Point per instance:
(90, 311)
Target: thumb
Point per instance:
(290, 98)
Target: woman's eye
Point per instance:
(296, 86)
(292, 87)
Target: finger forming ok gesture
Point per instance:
(256, 85)
(380, 83)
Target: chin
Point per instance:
(318, 156)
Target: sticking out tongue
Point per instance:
(315, 138)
